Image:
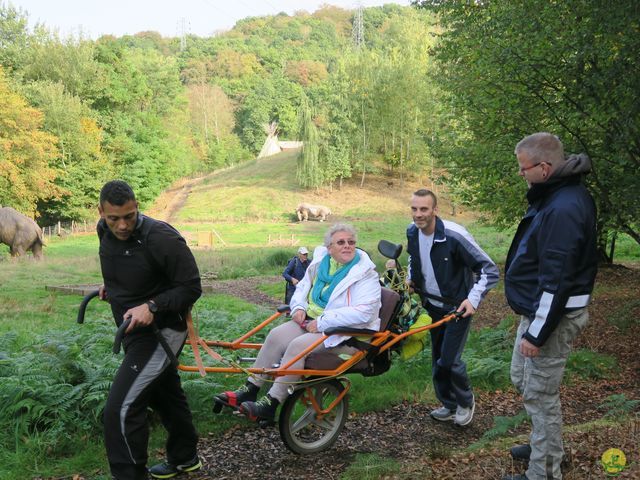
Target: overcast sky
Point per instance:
(199, 17)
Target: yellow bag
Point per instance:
(414, 344)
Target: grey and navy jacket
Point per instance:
(156, 264)
(552, 262)
(462, 269)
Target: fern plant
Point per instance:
(488, 356)
(53, 389)
(618, 405)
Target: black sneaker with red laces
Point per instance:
(246, 393)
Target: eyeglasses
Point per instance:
(524, 169)
(342, 242)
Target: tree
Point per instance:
(306, 72)
(26, 153)
(69, 62)
(81, 165)
(274, 98)
(14, 38)
(309, 173)
(513, 68)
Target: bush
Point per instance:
(618, 405)
(488, 356)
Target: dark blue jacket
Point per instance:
(295, 269)
(462, 269)
(552, 262)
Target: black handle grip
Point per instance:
(117, 342)
(83, 305)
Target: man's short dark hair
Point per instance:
(423, 192)
(116, 192)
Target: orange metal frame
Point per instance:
(384, 340)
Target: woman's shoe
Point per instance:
(246, 393)
(262, 410)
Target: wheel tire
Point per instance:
(301, 432)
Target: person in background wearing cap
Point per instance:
(549, 276)
(294, 272)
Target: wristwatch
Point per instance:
(153, 308)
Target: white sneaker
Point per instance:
(442, 414)
(465, 415)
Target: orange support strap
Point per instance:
(194, 340)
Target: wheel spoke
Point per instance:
(325, 423)
(305, 420)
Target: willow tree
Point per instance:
(309, 171)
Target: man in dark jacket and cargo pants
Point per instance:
(550, 271)
(150, 278)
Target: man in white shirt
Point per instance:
(449, 271)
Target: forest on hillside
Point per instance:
(444, 89)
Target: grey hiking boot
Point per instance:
(443, 414)
(464, 415)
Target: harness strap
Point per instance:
(359, 344)
(194, 340)
(446, 300)
(209, 350)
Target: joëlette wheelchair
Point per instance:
(314, 414)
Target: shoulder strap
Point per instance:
(145, 228)
(101, 228)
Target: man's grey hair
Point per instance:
(542, 147)
(339, 227)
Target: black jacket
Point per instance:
(155, 263)
(552, 262)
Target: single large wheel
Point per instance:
(301, 429)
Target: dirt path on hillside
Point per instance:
(424, 448)
(169, 203)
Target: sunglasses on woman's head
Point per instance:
(342, 242)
